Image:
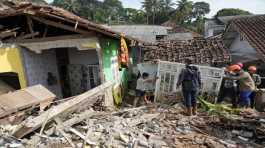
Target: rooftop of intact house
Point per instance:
(251, 28)
(202, 51)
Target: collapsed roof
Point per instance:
(16, 17)
(202, 51)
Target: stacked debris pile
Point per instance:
(147, 126)
(202, 51)
(85, 121)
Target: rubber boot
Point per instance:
(194, 110)
(189, 111)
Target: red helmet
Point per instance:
(240, 64)
(252, 68)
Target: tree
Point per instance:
(231, 12)
(157, 10)
(184, 11)
(200, 9)
(134, 16)
(70, 5)
(152, 8)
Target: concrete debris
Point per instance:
(148, 126)
(154, 125)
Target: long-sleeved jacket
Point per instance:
(190, 78)
(246, 82)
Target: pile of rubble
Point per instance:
(147, 126)
(84, 121)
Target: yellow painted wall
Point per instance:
(10, 61)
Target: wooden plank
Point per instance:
(21, 99)
(60, 130)
(94, 28)
(81, 136)
(8, 33)
(39, 91)
(30, 25)
(79, 118)
(45, 31)
(63, 37)
(23, 37)
(36, 122)
(60, 25)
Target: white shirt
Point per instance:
(140, 84)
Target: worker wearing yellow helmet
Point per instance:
(257, 79)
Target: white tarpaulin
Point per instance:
(168, 73)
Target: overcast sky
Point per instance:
(254, 6)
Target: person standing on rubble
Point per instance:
(190, 80)
(246, 84)
(229, 89)
(141, 88)
(257, 79)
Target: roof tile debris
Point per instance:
(27, 8)
(252, 28)
(202, 51)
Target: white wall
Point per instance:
(242, 51)
(86, 57)
(37, 67)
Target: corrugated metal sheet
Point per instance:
(146, 33)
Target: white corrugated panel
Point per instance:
(168, 73)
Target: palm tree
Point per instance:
(184, 10)
(152, 8)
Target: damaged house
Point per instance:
(210, 52)
(245, 38)
(47, 45)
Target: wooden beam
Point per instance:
(88, 97)
(31, 35)
(76, 132)
(60, 25)
(115, 35)
(63, 37)
(8, 33)
(30, 25)
(61, 131)
(45, 31)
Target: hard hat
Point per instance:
(234, 68)
(240, 64)
(252, 68)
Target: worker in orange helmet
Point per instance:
(228, 89)
(246, 84)
(257, 79)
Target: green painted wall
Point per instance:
(110, 49)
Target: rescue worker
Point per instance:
(229, 89)
(241, 65)
(190, 80)
(256, 78)
(246, 84)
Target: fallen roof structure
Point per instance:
(24, 98)
(52, 16)
(85, 99)
(202, 51)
